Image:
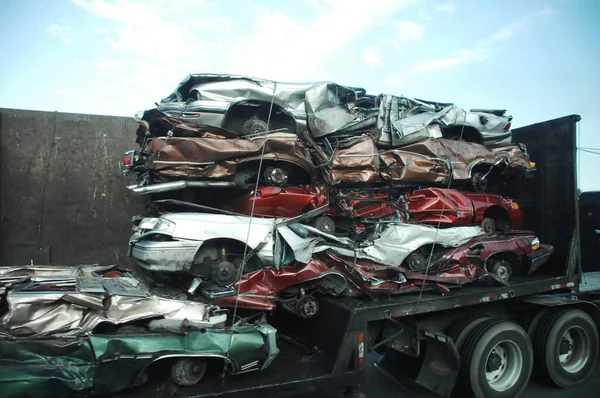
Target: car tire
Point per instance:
(254, 126)
(566, 347)
(497, 360)
(188, 371)
(416, 260)
(224, 273)
(307, 307)
(502, 269)
(325, 224)
(488, 225)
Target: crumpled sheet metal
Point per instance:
(329, 107)
(435, 160)
(395, 242)
(39, 312)
(121, 355)
(234, 88)
(155, 123)
(104, 364)
(372, 278)
(51, 271)
(402, 121)
(258, 289)
(46, 368)
(355, 162)
(219, 158)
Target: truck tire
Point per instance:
(497, 360)
(566, 347)
(460, 330)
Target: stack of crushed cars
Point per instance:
(92, 330)
(268, 194)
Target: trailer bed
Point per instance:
(300, 368)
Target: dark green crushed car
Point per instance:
(102, 364)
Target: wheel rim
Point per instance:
(503, 271)
(276, 176)
(574, 350)
(503, 365)
(416, 261)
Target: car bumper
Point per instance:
(169, 256)
(539, 257)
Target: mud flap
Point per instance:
(440, 366)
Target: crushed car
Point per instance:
(444, 207)
(518, 253)
(248, 106)
(172, 163)
(105, 331)
(215, 246)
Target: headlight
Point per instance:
(148, 223)
(156, 224)
(535, 244)
(514, 205)
(164, 225)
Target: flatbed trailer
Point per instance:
(424, 332)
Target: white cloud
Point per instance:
(461, 57)
(60, 91)
(59, 29)
(409, 31)
(370, 57)
(103, 63)
(447, 6)
(481, 49)
(278, 34)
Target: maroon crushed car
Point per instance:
(453, 207)
(293, 287)
(502, 255)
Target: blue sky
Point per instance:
(538, 59)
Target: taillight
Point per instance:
(129, 159)
(507, 127)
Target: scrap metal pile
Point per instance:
(269, 193)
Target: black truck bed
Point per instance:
(301, 368)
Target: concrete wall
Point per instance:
(62, 196)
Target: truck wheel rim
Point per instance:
(503, 365)
(574, 350)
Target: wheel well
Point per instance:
(513, 259)
(212, 249)
(500, 217)
(162, 366)
(297, 174)
(240, 112)
(468, 133)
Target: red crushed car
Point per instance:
(280, 202)
(453, 207)
(290, 202)
(501, 255)
(293, 286)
